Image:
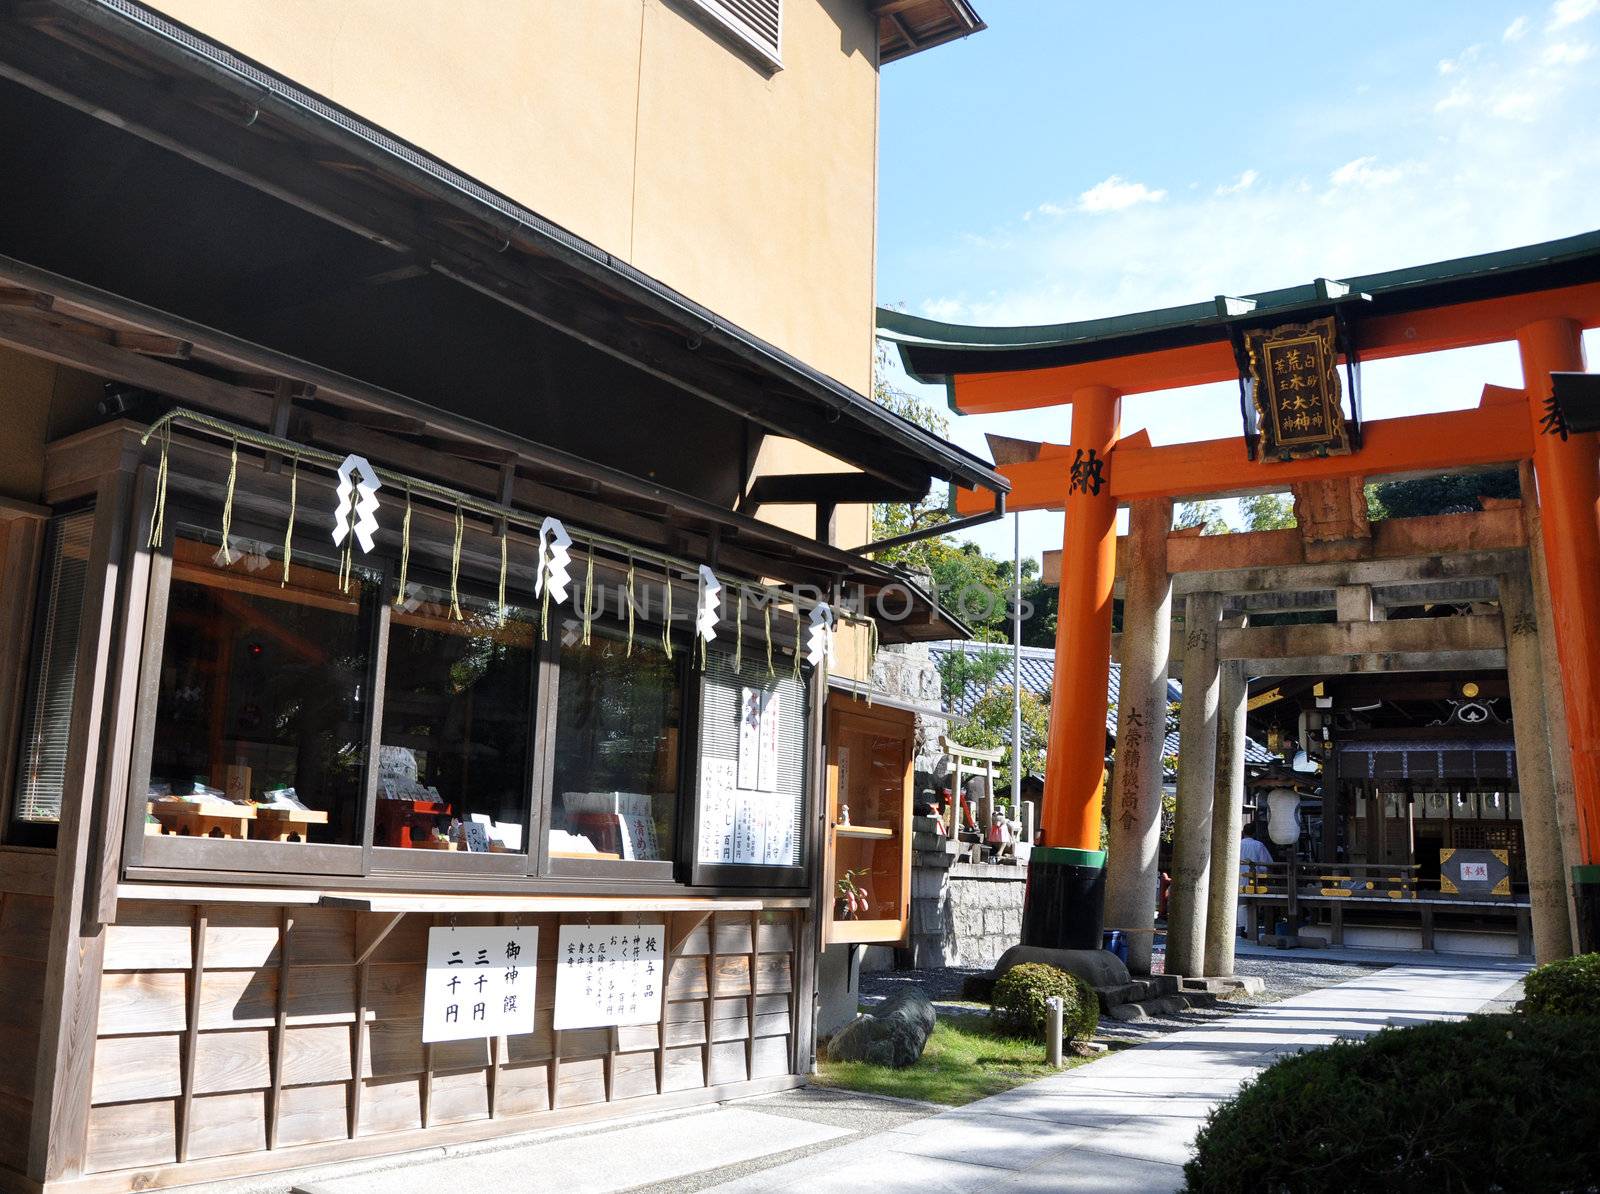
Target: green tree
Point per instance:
(961, 670)
(1207, 514)
(1447, 493)
(974, 586)
(1267, 512)
(989, 726)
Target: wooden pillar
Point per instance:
(1568, 477)
(1227, 820)
(1541, 832)
(71, 975)
(1555, 700)
(1066, 878)
(1197, 772)
(1132, 862)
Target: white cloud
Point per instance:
(1116, 194)
(1570, 12)
(1449, 66)
(1458, 96)
(1516, 31)
(1364, 172)
(1243, 183)
(1566, 53)
(946, 309)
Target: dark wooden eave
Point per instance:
(126, 65)
(907, 27)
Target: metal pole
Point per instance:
(1052, 1030)
(1016, 664)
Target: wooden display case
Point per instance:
(870, 752)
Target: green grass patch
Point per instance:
(965, 1060)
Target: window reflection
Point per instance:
(261, 716)
(457, 717)
(618, 723)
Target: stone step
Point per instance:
(1144, 1009)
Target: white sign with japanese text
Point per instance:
(609, 974)
(480, 982)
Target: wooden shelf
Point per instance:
(865, 932)
(880, 832)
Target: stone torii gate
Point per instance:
(1541, 297)
(1333, 561)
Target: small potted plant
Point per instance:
(851, 902)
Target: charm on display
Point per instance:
(705, 620)
(359, 481)
(555, 561)
(819, 640)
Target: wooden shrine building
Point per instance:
(434, 507)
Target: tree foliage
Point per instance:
(988, 726)
(1207, 514)
(1447, 493)
(974, 586)
(1267, 512)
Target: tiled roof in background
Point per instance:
(1038, 670)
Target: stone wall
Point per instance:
(962, 913)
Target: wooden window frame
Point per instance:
(750, 875)
(33, 598)
(367, 866)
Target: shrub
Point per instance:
(1569, 987)
(1018, 1003)
(1492, 1103)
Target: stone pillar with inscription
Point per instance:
(1132, 861)
(1541, 831)
(1227, 819)
(1197, 772)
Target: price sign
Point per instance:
(609, 974)
(480, 982)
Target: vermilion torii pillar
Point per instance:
(1568, 473)
(1066, 882)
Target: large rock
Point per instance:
(1099, 968)
(893, 1035)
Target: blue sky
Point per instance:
(1077, 160)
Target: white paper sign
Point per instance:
(1474, 872)
(718, 809)
(480, 982)
(609, 974)
(758, 739)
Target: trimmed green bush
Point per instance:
(1569, 987)
(1491, 1103)
(1018, 1002)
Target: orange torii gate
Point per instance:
(1541, 297)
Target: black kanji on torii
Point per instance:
(1088, 473)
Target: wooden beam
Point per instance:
(1500, 433)
(1410, 636)
(807, 489)
(1464, 565)
(1436, 329)
(1386, 664)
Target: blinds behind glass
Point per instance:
(747, 818)
(47, 717)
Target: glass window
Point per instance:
(457, 723)
(261, 718)
(753, 767)
(619, 717)
(52, 681)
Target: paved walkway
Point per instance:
(1127, 1122)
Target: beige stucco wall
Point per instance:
(630, 124)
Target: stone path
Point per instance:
(1125, 1123)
